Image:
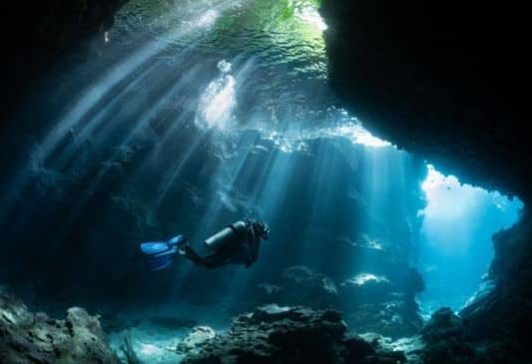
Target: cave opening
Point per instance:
(455, 238)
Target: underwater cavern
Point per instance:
(265, 181)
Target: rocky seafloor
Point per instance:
(26, 337)
(269, 334)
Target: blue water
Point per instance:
(455, 237)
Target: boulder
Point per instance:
(26, 337)
(446, 340)
(286, 334)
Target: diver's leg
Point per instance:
(214, 261)
(192, 255)
(211, 261)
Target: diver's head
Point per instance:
(261, 229)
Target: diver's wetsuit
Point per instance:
(237, 244)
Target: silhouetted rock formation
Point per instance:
(37, 33)
(274, 334)
(369, 302)
(445, 340)
(36, 338)
(500, 318)
(445, 80)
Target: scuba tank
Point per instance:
(228, 236)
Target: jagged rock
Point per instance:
(407, 349)
(303, 275)
(503, 309)
(357, 348)
(195, 339)
(277, 334)
(368, 285)
(444, 324)
(281, 334)
(412, 347)
(391, 317)
(36, 338)
(497, 318)
(299, 285)
(422, 82)
(370, 302)
(410, 74)
(446, 340)
(365, 278)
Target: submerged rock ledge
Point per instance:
(27, 337)
(269, 334)
(441, 79)
(275, 334)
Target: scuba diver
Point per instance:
(237, 243)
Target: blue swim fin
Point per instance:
(161, 260)
(151, 248)
(159, 254)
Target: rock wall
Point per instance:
(36, 35)
(26, 337)
(502, 314)
(274, 334)
(445, 80)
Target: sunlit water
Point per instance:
(198, 112)
(455, 238)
